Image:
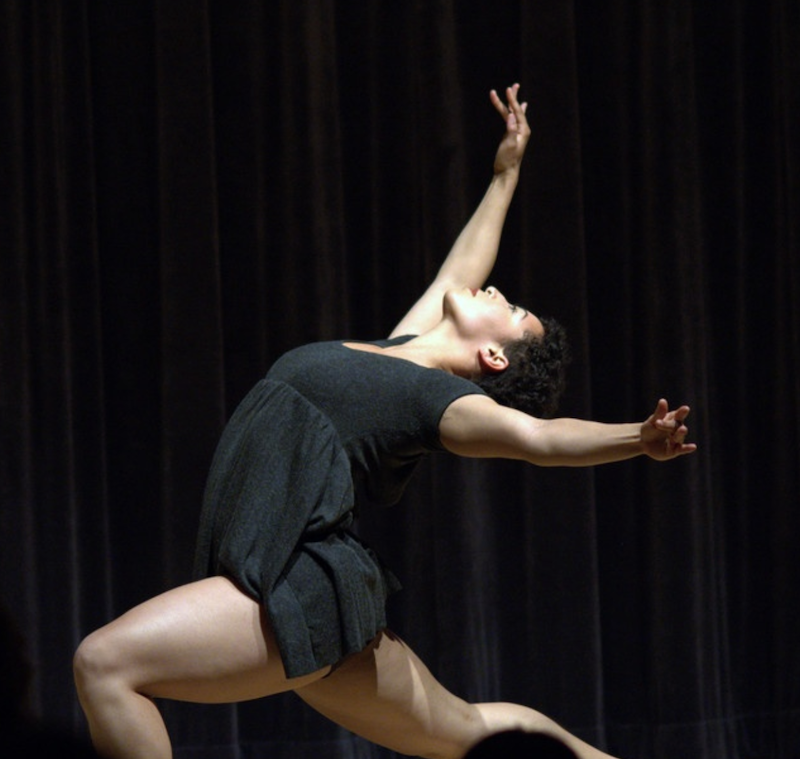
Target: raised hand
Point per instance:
(512, 146)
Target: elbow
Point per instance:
(540, 445)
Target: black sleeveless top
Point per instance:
(329, 429)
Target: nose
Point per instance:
(493, 292)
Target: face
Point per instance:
(487, 314)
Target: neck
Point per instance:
(440, 348)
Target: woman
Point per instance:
(289, 598)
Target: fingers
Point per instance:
(662, 407)
(498, 104)
(673, 425)
(678, 448)
(670, 421)
(514, 112)
(516, 108)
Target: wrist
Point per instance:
(506, 177)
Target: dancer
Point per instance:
(288, 597)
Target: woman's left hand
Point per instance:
(663, 433)
(512, 147)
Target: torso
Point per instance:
(385, 406)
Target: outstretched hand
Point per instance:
(664, 431)
(512, 147)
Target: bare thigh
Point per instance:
(206, 642)
(388, 696)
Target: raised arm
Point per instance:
(476, 426)
(472, 257)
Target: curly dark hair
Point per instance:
(534, 379)
(517, 743)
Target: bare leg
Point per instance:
(387, 695)
(205, 642)
(208, 642)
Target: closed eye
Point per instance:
(515, 309)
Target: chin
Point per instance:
(449, 301)
(453, 298)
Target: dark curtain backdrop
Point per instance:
(191, 188)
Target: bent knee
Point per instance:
(500, 717)
(96, 659)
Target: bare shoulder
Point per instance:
(477, 426)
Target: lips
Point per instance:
(474, 291)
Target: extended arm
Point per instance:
(472, 257)
(476, 426)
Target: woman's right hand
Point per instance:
(512, 146)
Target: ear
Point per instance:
(492, 359)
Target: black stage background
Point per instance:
(190, 188)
